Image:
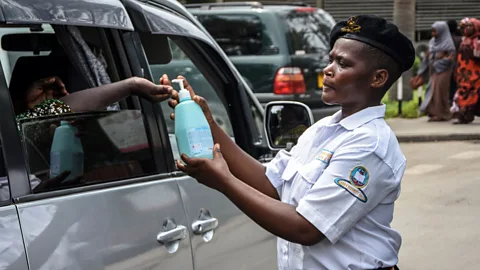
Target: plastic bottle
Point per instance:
(66, 153)
(194, 137)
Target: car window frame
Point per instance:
(15, 162)
(137, 59)
(124, 68)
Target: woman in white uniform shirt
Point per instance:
(330, 200)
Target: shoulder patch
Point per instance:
(325, 156)
(354, 191)
(359, 177)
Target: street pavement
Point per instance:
(420, 130)
(438, 212)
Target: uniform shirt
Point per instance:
(343, 177)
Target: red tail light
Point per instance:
(289, 81)
(306, 9)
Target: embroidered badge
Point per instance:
(358, 179)
(355, 192)
(352, 26)
(325, 156)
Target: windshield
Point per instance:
(239, 34)
(308, 30)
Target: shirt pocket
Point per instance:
(310, 172)
(291, 170)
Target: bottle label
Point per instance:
(200, 141)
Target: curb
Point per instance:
(438, 138)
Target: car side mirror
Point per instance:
(284, 122)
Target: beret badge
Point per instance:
(352, 26)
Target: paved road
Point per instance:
(438, 212)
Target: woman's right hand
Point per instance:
(174, 100)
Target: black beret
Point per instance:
(379, 33)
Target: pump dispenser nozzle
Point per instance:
(183, 93)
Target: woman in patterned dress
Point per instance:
(468, 73)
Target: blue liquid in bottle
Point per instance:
(194, 137)
(66, 153)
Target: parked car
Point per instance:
(133, 209)
(281, 49)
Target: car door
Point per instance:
(230, 240)
(222, 234)
(127, 211)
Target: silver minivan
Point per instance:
(132, 209)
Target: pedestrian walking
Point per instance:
(438, 66)
(330, 200)
(466, 103)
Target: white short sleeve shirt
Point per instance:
(343, 177)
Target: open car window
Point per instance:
(105, 145)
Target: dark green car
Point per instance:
(280, 50)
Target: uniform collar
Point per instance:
(359, 118)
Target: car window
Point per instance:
(66, 148)
(181, 64)
(239, 34)
(308, 30)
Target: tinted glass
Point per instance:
(113, 145)
(308, 30)
(239, 34)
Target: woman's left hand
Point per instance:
(212, 173)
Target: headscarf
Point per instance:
(472, 41)
(443, 42)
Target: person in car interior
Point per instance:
(49, 97)
(330, 200)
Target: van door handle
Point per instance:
(203, 226)
(171, 235)
(177, 234)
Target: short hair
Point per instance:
(377, 59)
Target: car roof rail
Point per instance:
(279, 3)
(225, 4)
